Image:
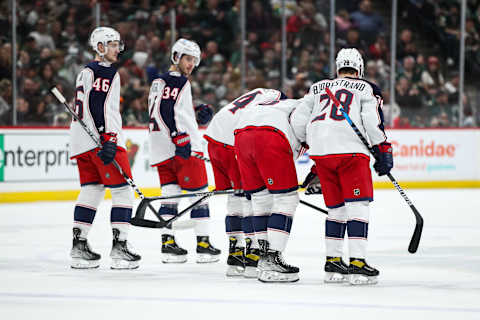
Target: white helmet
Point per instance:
(350, 58)
(184, 46)
(104, 35)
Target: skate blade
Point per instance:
(335, 277)
(235, 271)
(362, 280)
(79, 263)
(251, 272)
(207, 258)
(173, 258)
(120, 264)
(274, 276)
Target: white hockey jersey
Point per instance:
(97, 103)
(170, 106)
(221, 127)
(275, 115)
(318, 121)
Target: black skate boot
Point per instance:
(206, 253)
(82, 256)
(251, 260)
(171, 252)
(235, 260)
(122, 253)
(273, 268)
(336, 271)
(361, 273)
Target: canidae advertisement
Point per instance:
(29, 155)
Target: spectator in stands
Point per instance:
(367, 21)
(373, 75)
(342, 22)
(5, 97)
(409, 70)
(379, 50)
(431, 78)
(406, 46)
(42, 36)
(408, 97)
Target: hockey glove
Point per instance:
(109, 147)
(204, 113)
(383, 157)
(312, 183)
(183, 148)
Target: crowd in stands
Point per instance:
(53, 48)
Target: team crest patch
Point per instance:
(356, 192)
(270, 181)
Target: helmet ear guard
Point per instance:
(350, 58)
(104, 35)
(184, 46)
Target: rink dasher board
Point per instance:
(35, 163)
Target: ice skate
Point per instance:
(206, 253)
(272, 268)
(122, 254)
(171, 252)
(82, 256)
(336, 271)
(251, 260)
(361, 273)
(235, 260)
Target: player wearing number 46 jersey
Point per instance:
(174, 135)
(97, 103)
(342, 160)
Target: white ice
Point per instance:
(440, 281)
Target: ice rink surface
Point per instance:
(440, 281)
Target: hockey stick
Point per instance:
(140, 221)
(196, 155)
(417, 233)
(130, 181)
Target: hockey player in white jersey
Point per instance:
(174, 135)
(342, 161)
(243, 247)
(265, 147)
(97, 103)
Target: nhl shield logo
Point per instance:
(270, 181)
(356, 192)
(107, 175)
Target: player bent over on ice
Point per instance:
(342, 161)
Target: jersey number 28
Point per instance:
(344, 96)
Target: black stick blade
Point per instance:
(417, 233)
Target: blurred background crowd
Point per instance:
(52, 48)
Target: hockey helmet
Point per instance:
(184, 46)
(350, 58)
(104, 35)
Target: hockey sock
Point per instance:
(247, 222)
(262, 203)
(87, 203)
(121, 213)
(357, 228)
(233, 227)
(201, 214)
(335, 227)
(280, 221)
(279, 226)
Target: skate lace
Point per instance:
(279, 259)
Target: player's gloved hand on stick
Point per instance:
(109, 147)
(312, 183)
(204, 113)
(183, 148)
(383, 157)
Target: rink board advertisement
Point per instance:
(42, 155)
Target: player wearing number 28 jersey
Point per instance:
(342, 160)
